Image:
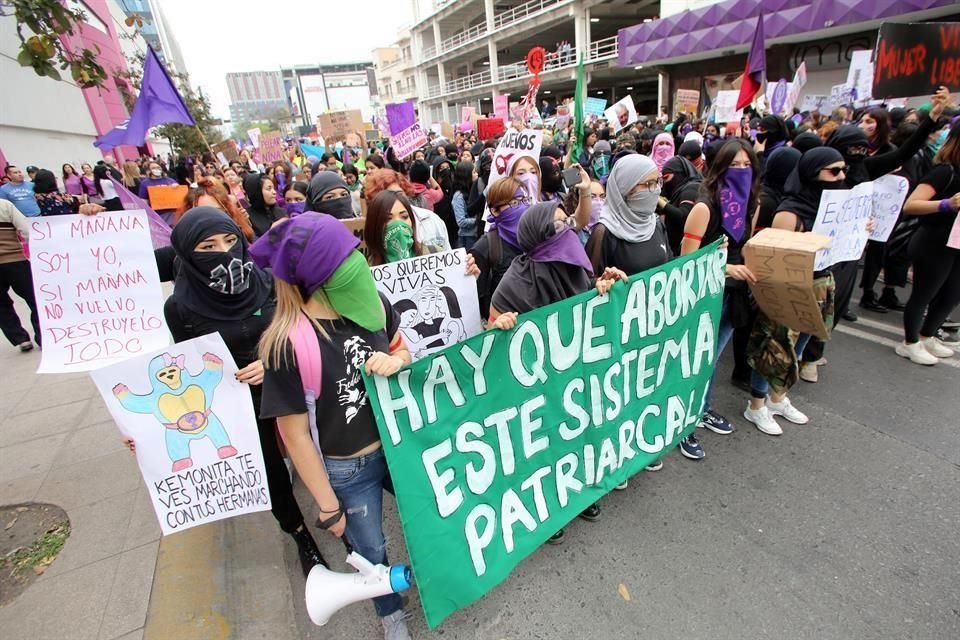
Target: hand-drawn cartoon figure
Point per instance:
(409, 317)
(181, 402)
(350, 390)
(439, 323)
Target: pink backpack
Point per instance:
(306, 348)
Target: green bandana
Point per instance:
(352, 293)
(398, 241)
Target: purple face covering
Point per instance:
(508, 221)
(596, 207)
(734, 196)
(305, 250)
(296, 208)
(563, 246)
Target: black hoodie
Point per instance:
(262, 217)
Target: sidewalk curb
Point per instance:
(224, 580)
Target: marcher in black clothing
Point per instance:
(262, 199)
(779, 166)
(681, 187)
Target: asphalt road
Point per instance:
(841, 529)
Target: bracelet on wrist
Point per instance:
(946, 207)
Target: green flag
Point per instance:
(495, 443)
(577, 148)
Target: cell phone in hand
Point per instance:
(571, 177)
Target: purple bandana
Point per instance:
(734, 196)
(564, 246)
(508, 221)
(305, 250)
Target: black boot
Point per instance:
(869, 301)
(889, 299)
(310, 555)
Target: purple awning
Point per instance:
(730, 24)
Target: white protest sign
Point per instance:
(860, 75)
(513, 146)
(97, 288)
(254, 135)
(726, 107)
(793, 94)
(889, 192)
(622, 114)
(195, 431)
(435, 298)
(840, 94)
(408, 140)
(953, 240)
(813, 103)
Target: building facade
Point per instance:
(155, 31)
(316, 89)
(255, 95)
(394, 72)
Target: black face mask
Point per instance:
(339, 208)
(839, 184)
(552, 182)
(226, 270)
(761, 136)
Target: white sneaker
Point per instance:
(808, 372)
(936, 348)
(656, 466)
(622, 486)
(395, 626)
(787, 410)
(763, 420)
(917, 353)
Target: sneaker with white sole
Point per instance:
(786, 409)
(916, 353)
(656, 466)
(762, 419)
(936, 348)
(808, 372)
(716, 423)
(395, 626)
(622, 486)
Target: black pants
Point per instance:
(845, 277)
(876, 258)
(936, 283)
(283, 503)
(17, 276)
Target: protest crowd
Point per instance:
(597, 201)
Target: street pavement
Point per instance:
(841, 529)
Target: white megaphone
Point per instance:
(329, 591)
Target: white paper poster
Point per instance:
(195, 431)
(513, 146)
(97, 288)
(726, 107)
(435, 298)
(860, 75)
(621, 115)
(813, 103)
(889, 193)
(793, 94)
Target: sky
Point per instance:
(220, 36)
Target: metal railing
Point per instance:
(469, 82)
(522, 12)
(468, 35)
(434, 91)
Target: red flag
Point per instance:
(755, 72)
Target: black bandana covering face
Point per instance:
(229, 274)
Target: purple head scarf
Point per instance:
(507, 222)
(735, 186)
(305, 250)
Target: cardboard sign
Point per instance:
(915, 59)
(436, 299)
(229, 150)
(621, 115)
(595, 106)
(196, 434)
(860, 75)
(687, 100)
(446, 130)
(726, 107)
(489, 128)
(793, 93)
(337, 124)
(783, 261)
(271, 147)
(167, 197)
(97, 288)
(513, 146)
(408, 140)
(496, 443)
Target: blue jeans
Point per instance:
(759, 387)
(359, 484)
(724, 333)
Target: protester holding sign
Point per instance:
(155, 178)
(262, 199)
(328, 309)
(729, 199)
(935, 254)
(552, 267)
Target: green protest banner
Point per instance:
(497, 442)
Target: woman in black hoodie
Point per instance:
(262, 198)
(443, 174)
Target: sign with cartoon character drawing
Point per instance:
(436, 299)
(194, 431)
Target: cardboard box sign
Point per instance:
(338, 124)
(783, 261)
(167, 197)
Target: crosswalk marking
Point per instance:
(887, 342)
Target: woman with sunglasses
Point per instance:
(552, 267)
(728, 202)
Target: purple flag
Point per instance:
(159, 103)
(159, 230)
(400, 115)
(755, 72)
